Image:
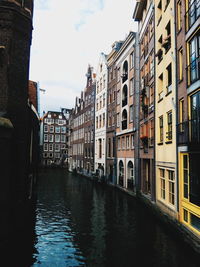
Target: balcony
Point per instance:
(189, 134)
(193, 70)
(192, 14)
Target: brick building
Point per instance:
(89, 105)
(15, 42)
(55, 138)
(126, 127)
(144, 14)
(111, 114)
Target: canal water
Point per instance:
(80, 223)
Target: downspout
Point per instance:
(176, 110)
(137, 109)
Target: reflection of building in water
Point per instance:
(98, 227)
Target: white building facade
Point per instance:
(101, 115)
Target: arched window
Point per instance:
(121, 173)
(125, 72)
(124, 95)
(130, 177)
(124, 119)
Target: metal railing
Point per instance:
(189, 133)
(193, 69)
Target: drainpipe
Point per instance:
(137, 109)
(176, 110)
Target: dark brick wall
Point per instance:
(15, 41)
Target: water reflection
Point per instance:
(83, 224)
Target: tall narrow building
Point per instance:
(165, 108)
(111, 115)
(188, 106)
(89, 105)
(144, 14)
(125, 128)
(101, 116)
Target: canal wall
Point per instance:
(171, 224)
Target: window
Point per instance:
(169, 78)
(57, 129)
(169, 123)
(179, 16)
(51, 138)
(180, 63)
(45, 128)
(109, 147)
(185, 177)
(100, 124)
(193, 13)
(167, 3)
(118, 120)
(131, 113)
(45, 137)
(63, 138)
(104, 99)
(127, 142)
(123, 142)
(161, 129)
(100, 148)
(124, 119)
(194, 63)
(45, 147)
(50, 147)
(96, 122)
(132, 141)
(171, 187)
(118, 143)
(160, 87)
(162, 183)
(103, 119)
(124, 95)
(57, 138)
(151, 133)
(132, 60)
(125, 72)
(185, 215)
(181, 115)
(131, 86)
(118, 97)
(63, 129)
(195, 221)
(51, 129)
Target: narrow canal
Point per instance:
(79, 223)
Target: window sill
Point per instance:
(159, 144)
(168, 142)
(160, 100)
(180, 81)
(168, 93)
(178, 31)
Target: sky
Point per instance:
(69, 35)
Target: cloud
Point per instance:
(67, 36)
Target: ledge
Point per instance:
(6, 123)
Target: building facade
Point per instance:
(125, 128)
(144, 14)
(165, 108)
(101, 116)
(78, 138)
(111, 115)
(89, 116)
(188, 106)
(55, 126)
